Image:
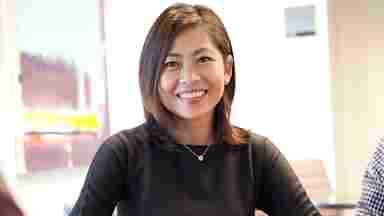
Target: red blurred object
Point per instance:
(8, 206)
(51, 150)
(45, 154)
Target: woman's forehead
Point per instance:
(192, 42)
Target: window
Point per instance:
(63, 84)
(300, 21)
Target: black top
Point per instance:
(144, 172)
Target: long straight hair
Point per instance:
(171, 22)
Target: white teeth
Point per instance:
(192, 94)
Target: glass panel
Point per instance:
(63, 84)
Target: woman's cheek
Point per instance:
(214, 74)
(168, 83)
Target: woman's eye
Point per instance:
(171, 64)
(204, 59)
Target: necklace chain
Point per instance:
(199, 157)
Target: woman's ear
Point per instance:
(228, 69)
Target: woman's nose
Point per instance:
(188, 74)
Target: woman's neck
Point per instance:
(194, 132)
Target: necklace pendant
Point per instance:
(201, 158)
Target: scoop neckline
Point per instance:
(197, 144)
(164, 140)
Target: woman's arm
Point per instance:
(280, 191)
(105, 182)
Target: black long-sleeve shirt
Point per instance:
(144, 173)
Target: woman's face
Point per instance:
(194, 75)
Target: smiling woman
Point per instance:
(187, 158)
(183, 52)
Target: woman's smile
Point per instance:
(192, 94)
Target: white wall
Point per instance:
(283, 84)
(9, 92)
(357, 50)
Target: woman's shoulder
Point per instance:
(128, 140)
(262, 145)
(257, 139)
(250, 136)
(253, 138)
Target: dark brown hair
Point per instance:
(173, 20)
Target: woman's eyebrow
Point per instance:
(173, 55)
(201, 50)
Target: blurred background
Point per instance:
(309, 76)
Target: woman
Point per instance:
(187, 158)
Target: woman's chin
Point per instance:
(191, 116)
